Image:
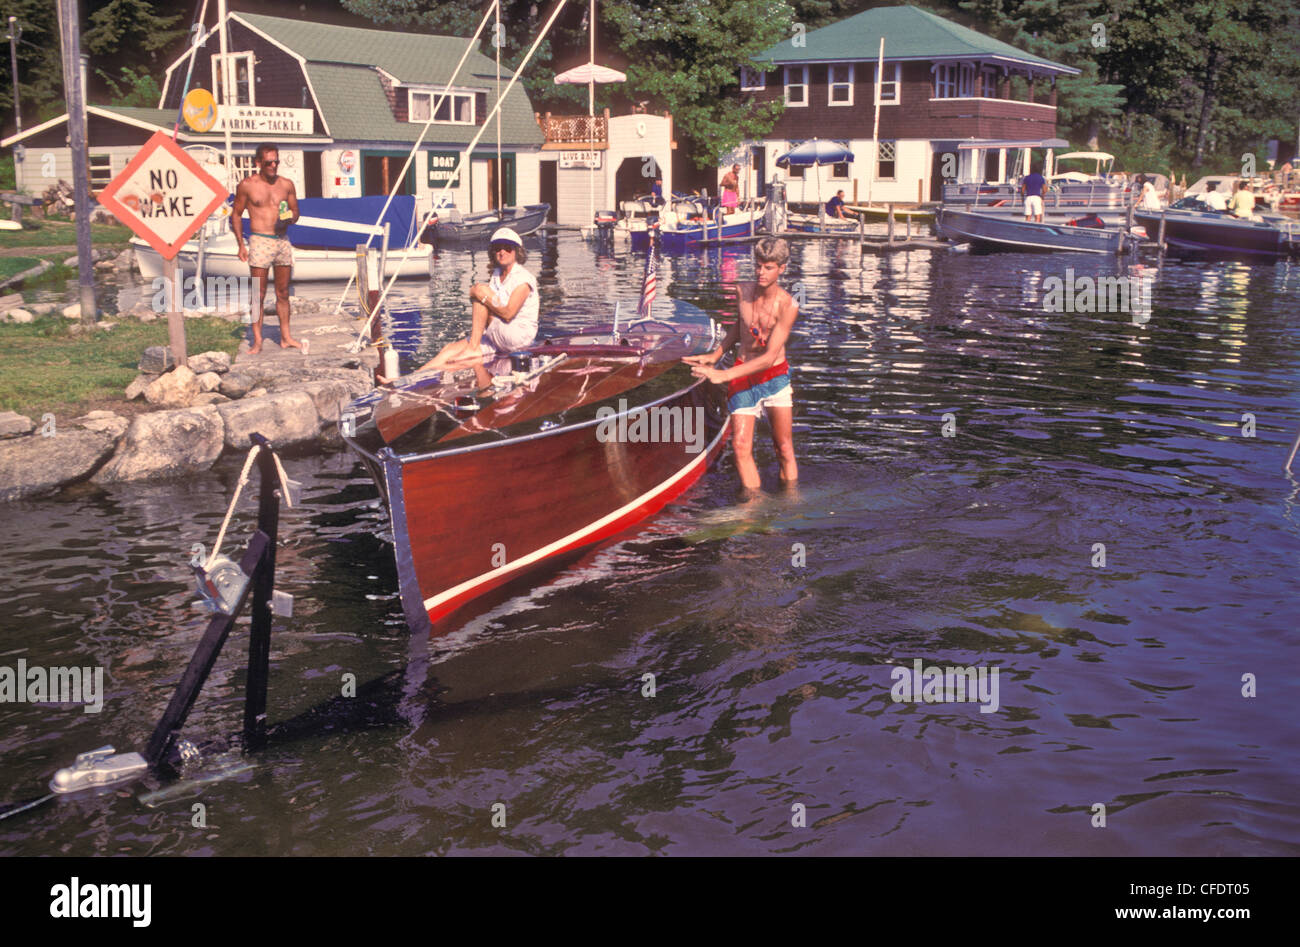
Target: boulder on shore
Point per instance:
(218, 362)
(32, 466)
(156, 360)
(137, 387)
(13, 424)
(166, 444)
(176, 389)
(284, 418)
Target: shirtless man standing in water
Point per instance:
(261, 194)
(760, 379)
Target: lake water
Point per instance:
(772, 629)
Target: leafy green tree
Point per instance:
(139, 89)
(130, 32)
(1062, 31)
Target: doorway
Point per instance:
(379, 173)
(548, 187)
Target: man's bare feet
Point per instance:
(288, 343)
(255, 348)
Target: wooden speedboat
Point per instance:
(999, 232)
(572, 441)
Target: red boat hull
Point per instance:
(467, 521)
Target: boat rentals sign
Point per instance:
(163, 195)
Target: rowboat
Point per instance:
(987, 231)
(324, 241)
(1189, 228)
(903, 212)
(489, 473)
(453, 227)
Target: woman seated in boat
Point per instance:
(504, 308)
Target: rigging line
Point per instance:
(433, 111)
(195, 40)
(497, 42)
(468, 150)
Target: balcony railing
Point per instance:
(574, 129)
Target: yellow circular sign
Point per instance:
(200, 110)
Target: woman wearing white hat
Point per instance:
(504, 308)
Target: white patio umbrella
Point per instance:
(588, 74)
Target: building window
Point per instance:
(101, 171)
(752, 80)
(796, 85)
(966, 81)
(840, 170)
(885, 160)
(990, 83)
(945, 81)
(890, 90)
(840, 80)
(795, 172)
(455, 108)
(241, 70)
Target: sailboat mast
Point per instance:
(497, 42)
(231, 183)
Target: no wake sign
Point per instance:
(163, 195)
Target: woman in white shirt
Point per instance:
(504, 308)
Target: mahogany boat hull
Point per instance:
(467, 520)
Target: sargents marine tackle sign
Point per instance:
(258, 119)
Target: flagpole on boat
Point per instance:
(591, 114)
(875, 128)
(497, 42)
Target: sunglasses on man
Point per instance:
(504, 246)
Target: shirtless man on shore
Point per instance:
(760, 379)
(261, 194)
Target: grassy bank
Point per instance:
(13, 265)
(63, 233)
(45, 367)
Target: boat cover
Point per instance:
(344, 222)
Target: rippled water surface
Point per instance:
(770, 628)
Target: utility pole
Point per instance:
(70, 42)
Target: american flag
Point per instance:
(648, 286)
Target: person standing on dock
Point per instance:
(1213, 198)
(760, 379)
(272, 204)
(1032, 186)
(731, 189)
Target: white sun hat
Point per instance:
(506, 235)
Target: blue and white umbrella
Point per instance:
(815, 152)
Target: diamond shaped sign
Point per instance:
(163, 195)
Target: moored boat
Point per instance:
(593, 433)
(1188, 226)
(998, 232)
(453, 227)
(324, 241)
(677, 233)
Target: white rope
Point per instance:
(239, 487)
(433, 111)
(469, 149)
